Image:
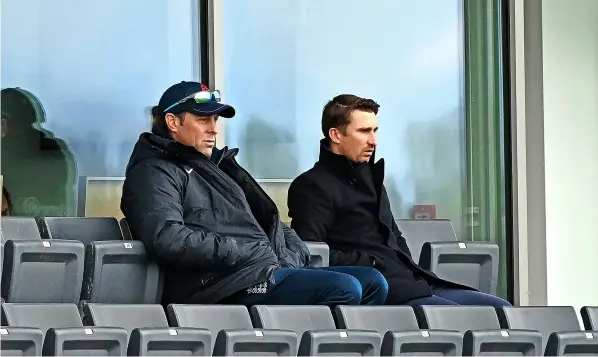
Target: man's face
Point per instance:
(195, 131)
(358, 141)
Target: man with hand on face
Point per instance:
(342, 201)
(210, 226)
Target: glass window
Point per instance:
(283, 60)
(87, 73)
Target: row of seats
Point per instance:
(65, 271)
(432, 242)
(58, 329)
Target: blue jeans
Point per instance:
(459, 297)
(330, 286)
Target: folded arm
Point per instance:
(295, 248)
(152, 203)
(312, 214)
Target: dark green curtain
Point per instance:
(484, 128)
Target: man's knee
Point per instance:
(377, 280)
(346, 289)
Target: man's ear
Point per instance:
(171, 122)
(334, 135)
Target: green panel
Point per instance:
(485, 193)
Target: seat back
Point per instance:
(21, 341)
(14, 228)
(129, 317)
(296, 318)
(119, 272)
(419, 231)
(545, 319)
(376, 318)
(589, 316)
(319, 254)
(457, 318)
(212, 317)
(84, 229)
(41, 316)
(42, 271)
(473, 264)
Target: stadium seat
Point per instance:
(84, 229)
(64, 331)
(234, 332)
(401, 332)
(317, 331)
(21, 341)
(19, 228)
(124, 227)
(433, 244)
(319, 254)
(119, 272)
(473, 264)
(419, 231)
(148, 330)
(42, 271)
(481, 329)
(558, 325)
(589, 315)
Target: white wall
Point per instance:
(554, 84)
(570, 73)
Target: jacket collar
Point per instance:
(345, 167)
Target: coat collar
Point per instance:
(344, 167)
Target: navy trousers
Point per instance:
(329, 286)
(459, 297)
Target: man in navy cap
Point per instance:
(209, 225)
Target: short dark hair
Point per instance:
(337, 111)
(159, 117)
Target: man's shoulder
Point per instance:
(314, 178)
(153, 167)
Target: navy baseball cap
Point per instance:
(196, 98)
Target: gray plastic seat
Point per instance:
(64, 331)
(21, 341)
(481, 329)
(148, 330)
(234, 332)
(84, 229)
(319, 254)
(419, 231)
(318, 332)
(401, 332)
(14, 228)
(42, 271)
(433, 244)
(589, 315)
(558, 325)
(474, 264)
(119, 272)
